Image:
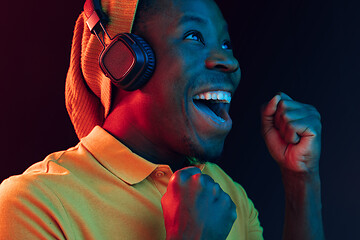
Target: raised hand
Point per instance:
(195, 207)
(292, 132)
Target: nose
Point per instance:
(222, 61)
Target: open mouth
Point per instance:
(214, 104)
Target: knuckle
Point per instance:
(314, 111)
(316, 128)
(285, 116)
(206, 180)
(315, 123)
(284, 104)
(173, 179)
(191, 170)
(181, 176)
(281, 104)
(176, 176)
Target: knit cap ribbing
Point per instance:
(87, 89)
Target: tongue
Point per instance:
(210, 109)
(217, 108)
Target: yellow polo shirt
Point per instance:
(99, 189)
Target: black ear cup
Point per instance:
(149, 67)
(128, 61)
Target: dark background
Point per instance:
(308, 49)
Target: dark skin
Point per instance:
(162, 123)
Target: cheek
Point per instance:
(165, 91)
(169, 79)
(177, 70)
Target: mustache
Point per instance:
(219, 78)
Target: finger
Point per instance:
(269, 109)
(309, 126)
(208, 184)
(289, 134)
(228, 203)
(292, 105)
(284, 96)
(206, 181)
(283, 117)
(190, 170)
(289, 105)
(267, 113)
(293, 131)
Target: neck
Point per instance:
(124, 130)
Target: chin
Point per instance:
(207, 152)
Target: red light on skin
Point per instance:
(194, 199)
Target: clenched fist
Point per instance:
(292, 132)
(195, 207)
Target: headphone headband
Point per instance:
(95, 15)
(128, 60)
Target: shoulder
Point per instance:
(26, 203)
(20, 190)
(62, 163)
(33, 182)
(32, 199)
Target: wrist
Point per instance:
(302, 188)
(291, 178)
(303, 218)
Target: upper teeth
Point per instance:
(214, 95)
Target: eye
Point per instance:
(226, 45)
(194, 36)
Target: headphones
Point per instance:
(128, 60)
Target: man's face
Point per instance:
(194, 61)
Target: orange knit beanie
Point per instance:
(87, 89)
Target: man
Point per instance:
(145, 173)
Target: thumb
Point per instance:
(268, 112)
(269, 109)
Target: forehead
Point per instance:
(204, 12)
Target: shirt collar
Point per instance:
(116, 157)
(119, 159)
